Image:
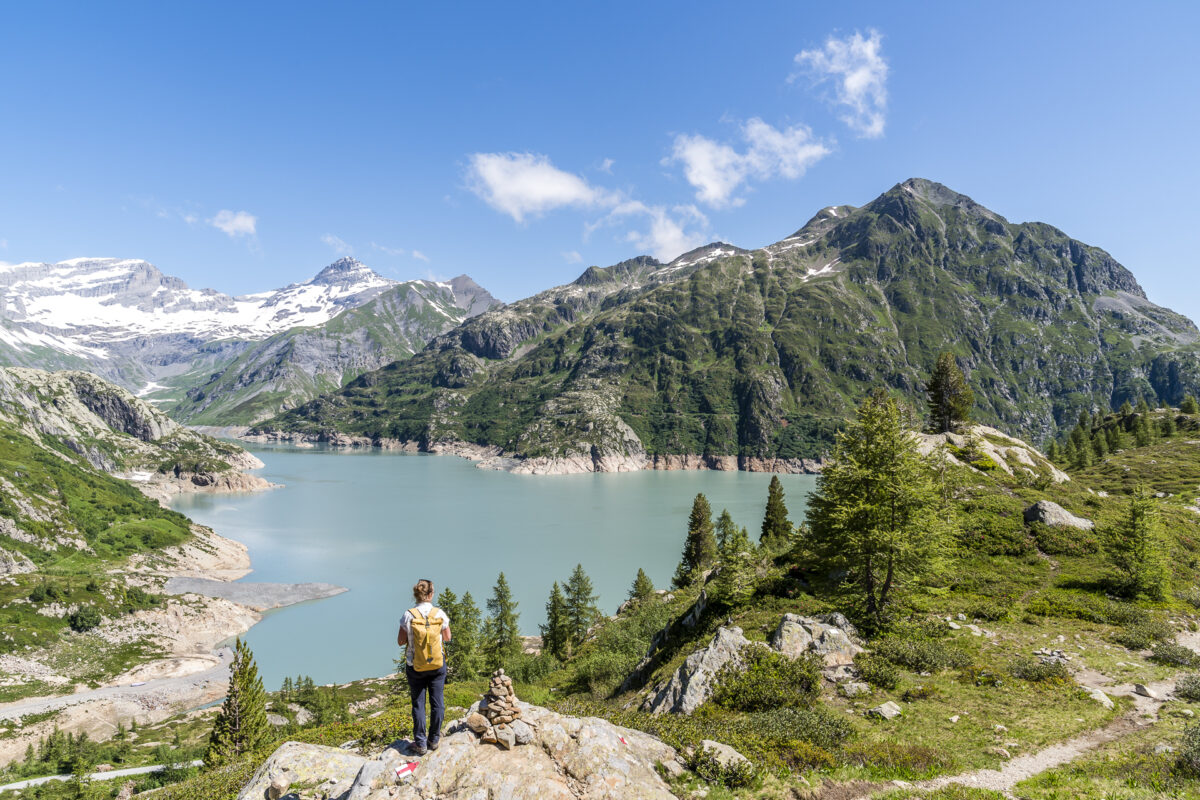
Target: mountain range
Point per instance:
(731, 354)
(130, 323)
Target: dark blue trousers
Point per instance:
(418, 684)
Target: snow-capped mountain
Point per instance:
(128, 322)
(84, 305)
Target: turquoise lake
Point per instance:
(375, 522)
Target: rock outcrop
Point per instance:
(571, 758)
(1054, 515)
(691, 684)
(829, 635)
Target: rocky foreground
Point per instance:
(569, 758)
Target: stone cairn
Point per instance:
(498, 720)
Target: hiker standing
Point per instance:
(422, 631)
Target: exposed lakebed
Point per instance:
(376, 522)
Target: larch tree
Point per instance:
(776, 527)
(1138, 550)
(876, 512)
(502, 637)
(241, 726)
(582, 612)
(700, 547)
(555, 633)
(642, 586)
(462, 652)
(950, 398)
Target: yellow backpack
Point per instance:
(426, 641)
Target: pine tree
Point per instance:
(726, 527)
(1053, 452)
(950, 398)
(502, 637)
(1125, 409)
(582, 612)
(876, 512)
(1143, 407)
(462, 652)
(1083, 456)
(556, 636)
(1189, 406)
(1099, 444)
(700, 547)
(1139, 552)
(776, 528)
(1113, 435)
(736, 581)
(242, 726)
(1167, 426)
(1141, 433)
(285, 691)
(642, 587)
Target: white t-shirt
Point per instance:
(426, 610)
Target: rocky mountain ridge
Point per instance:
(727, 355)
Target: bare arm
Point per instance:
(445, 634)
(402, 636)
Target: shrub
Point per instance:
(802, 756)
(877, 671)
(1174, 654)
(1027, 668)
(708, 766)
(980, 677)
(1188, 687)
(1061, 540)
(1142, 633)
(1189, 749)
(84, 619)
(895, 757)
(921, 655)
(817, 726)
(767, 680)
(919, 693)
(1191, 596)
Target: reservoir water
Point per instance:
(376, 522)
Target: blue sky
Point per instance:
(242, 146)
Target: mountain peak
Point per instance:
(941, 196)
(343, 270)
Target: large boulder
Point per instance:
(691, 684)
(572, 759)
(829, 635)
(304, 764)
(1054, 515)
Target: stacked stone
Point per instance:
(498, 720)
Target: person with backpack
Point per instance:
(422, 631)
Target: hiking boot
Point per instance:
(419, 749)
(435, 742)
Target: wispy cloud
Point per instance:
(572, 257)
(417, 254)
(859, 71)
(667, 232)
(527, 184)
(338, 245)
(235, 223)
(390, 251)
(606, 165)
(717, 170)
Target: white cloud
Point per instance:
(606, 165)
(717, 170)
(235, 223)
(859, 70)
(391, 251)
(572, 256)
(670, 232)
(338, 245)
(190, 219)
(417, 254)
(527, 184)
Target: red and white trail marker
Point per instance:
(622, 738)
(405, 771)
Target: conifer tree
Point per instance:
(1099, 445)
(876, 511)
(1125, 410)
(1138, 551)
(950, 398)
(241, 726)
(1189, 406)
(736, 581)
(582, 612)
(776, 528)
(1167, 426)
(726, 527)
(700, 547)
(1143, 407)
(642, 587)
(462, 652)
(556, 634)
(1053, 452)
(1113, 435)
(1141, 433)
(502, 637)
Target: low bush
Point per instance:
(1189, 749)
(766, 680)
(84, 619)
(921, 655)
(980, 677)
(802, 756)
(1027, 668)
(738, 774)
(910, 760)
(915, 693)
(1174, 654)
(816, 726)
(1061, 540)
(1143, 633)
(1188, 687)
(1191, 596)
(877, 671)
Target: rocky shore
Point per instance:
(497, 459)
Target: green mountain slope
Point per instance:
(299, 364)
(760, 354)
